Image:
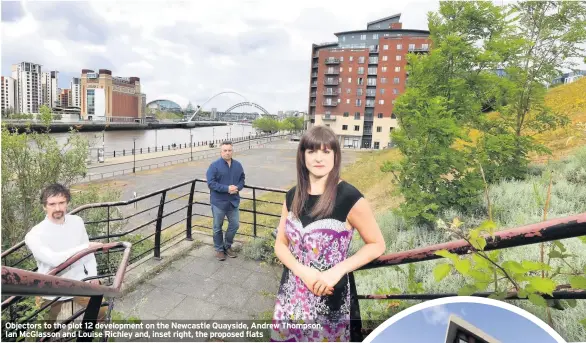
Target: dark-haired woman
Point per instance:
(318, 220)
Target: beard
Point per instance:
(57, 215)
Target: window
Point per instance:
(383, 80)
(384, 69)
(395, 91)
(385, 58)
(379, 129)
(390, 129)
(382, 91)
(375, 36)
(381, 102)
(345, 127)
(359, 91)
(362, 37)
(385, 47)
(351, 58)
(348, 90)
(346, 114)
(425, 46)
(411, 46)
(399, 46)
(398, 57)
(357, 115)
(360, 81)
(376, 145)
(360, 70)
(349, 80)
(397, 69)
(393, 116)
(361, 59)
(341, 69)
(380, 115)
(347, 101)
(396, 80)
(358, 102)
(356, 127)
(350, 69)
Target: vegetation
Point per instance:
(450, 90)
(271, 125)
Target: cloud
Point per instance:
(189, 51)
(436, 315)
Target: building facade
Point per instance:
(28, 88)
(108, 97)
(354, 82)
(569, 77)
(75, 87)
(65, 98)
(50, 89)
(7, 95)
(460, 331)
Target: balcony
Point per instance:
(334, 71)
(367, 132)
(369, 104)
(315, 65)
(368, 118)
(313, 94)
(421, 50)
(328, 117)
(332, 60)
(329, 103)
(331, 93)
(315, 55)
(312, 103)
(331, 82)
(313, 74)
(314, 84)
(370, 93)
(373, 50)
(373, 61)
(371, 72)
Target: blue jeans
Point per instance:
(233, 216)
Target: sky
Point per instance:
(430, 325)
(189, 51)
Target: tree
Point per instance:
(445, 94)
(266, 124)
(30, 162)
(547, 37)
(45, 115)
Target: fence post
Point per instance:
(108, 252)
(190, 211)
(254, 211)
(158, 227)
(123, 152)
(114, 153)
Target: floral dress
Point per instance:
(321, 244)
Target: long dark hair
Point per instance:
(316, 138)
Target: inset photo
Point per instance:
(464, 320)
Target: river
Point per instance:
(118, 140)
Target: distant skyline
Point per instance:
(429, 325)
(188, 51)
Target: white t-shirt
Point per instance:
(52, 244)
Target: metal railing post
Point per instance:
(158, 227)
(254, 211)
(90, 318)
(108, 252)
(190, 212)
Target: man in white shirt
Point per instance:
(56, 239)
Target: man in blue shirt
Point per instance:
(225, 178)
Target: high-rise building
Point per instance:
(50, 89)
(27, 78)
(354, 82)
(460, 331)
(106, 96)
(7, 95)
(65, 98)
(75, 92)
(143, 105)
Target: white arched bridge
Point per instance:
(229, 113)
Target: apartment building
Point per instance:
(460, 331)
(50, 89)
(7, 95)
(28, 88)
(354, 81)
(106, 96)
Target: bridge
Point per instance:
(164, 236)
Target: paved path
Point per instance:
(199, 287)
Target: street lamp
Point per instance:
(134, 155)
(191, 142)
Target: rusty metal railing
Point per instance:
(18, 283)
